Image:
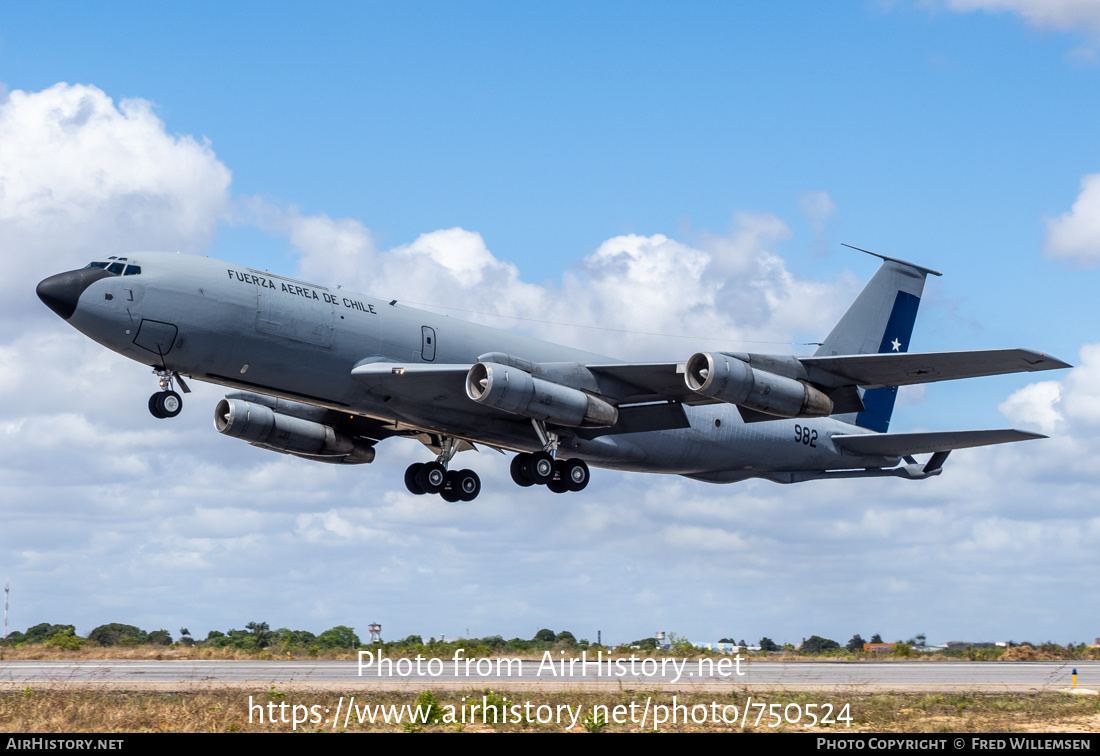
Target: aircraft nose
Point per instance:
(61, 292)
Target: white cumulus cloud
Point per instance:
(82, 177)
(190, 528)
(1035, 405)
(1044, 14)
(1077, 233)
(1081, 17)
(633, 296)
(1068, 409)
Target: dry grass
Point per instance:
(85, 709)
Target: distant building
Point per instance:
(722, 648)
(962, 645)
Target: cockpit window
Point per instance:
(119, 268)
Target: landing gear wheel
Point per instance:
(431, 477)
(540, 468)
(165, 404)
(575, 474)
(467, 484)
(450, 490)
(558, 486)
(519, 477)
(410, 479)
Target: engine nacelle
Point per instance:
(262, 426)
(731, 380)
(513, 390)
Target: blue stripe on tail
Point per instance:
(879, 402)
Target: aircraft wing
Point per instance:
(413, 378)
(901, 369)
(629, 383)
(907, 444)
(435, 388)
(625, 384)
(647, 382)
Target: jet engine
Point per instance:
(728, 379)
(513, 390)
(262, 426)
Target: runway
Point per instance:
(646, 674)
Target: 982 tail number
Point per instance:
(805, 435)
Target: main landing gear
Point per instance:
(435, 478)
(541, 468)
(166, 402)
(558, 475)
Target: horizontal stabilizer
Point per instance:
(902, 369)
(905, 444)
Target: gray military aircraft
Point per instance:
(326, 374)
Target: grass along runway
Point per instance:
(87, 709)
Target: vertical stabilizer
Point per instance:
(880, 320)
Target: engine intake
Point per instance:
(262, 426)
(513, 390)
(731, 380)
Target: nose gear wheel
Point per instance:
(166, 402)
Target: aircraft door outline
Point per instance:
(427, 343)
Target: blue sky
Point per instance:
(346, 140)
(552, 130)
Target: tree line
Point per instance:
(256, 636)
(259, 637)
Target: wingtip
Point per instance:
(1047, 361)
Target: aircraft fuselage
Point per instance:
(256, 331)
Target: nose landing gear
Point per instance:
(166, 402)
